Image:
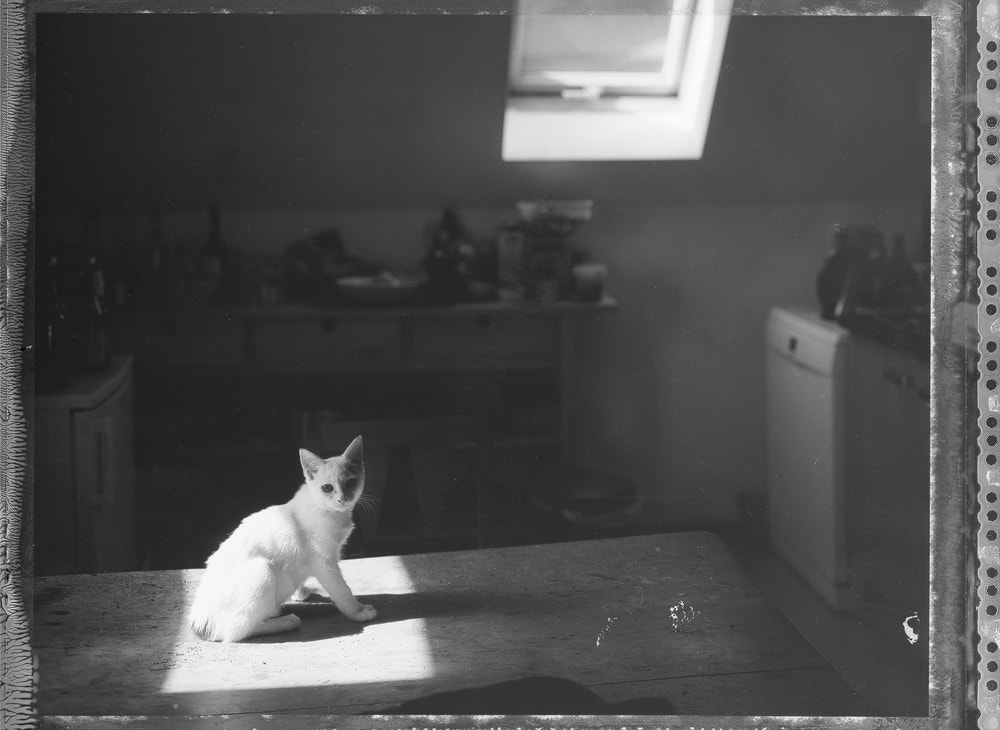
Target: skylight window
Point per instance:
(604, 79)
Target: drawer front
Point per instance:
(179, 342)
(536, 338)
(503, 338)
(329, 343)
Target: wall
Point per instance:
(373, 123)
(281, 113)
(672, 385)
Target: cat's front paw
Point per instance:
(363, 613)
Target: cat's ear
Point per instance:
(310, 463)
(355, 452)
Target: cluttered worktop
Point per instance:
(535, 260)
(218, 304)
(876, 290)
(117, 300)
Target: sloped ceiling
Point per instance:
(335, 112)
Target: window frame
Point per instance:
(591, 126)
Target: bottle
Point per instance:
(94, 319)
(154, 242)
(53, 351)
(486, 268)
(510, 259)
(443, 260)
(47, 308)
(117, 278)
(901, 277)
(832, 278)
(877, 269)
(124, 267)
(856, 288)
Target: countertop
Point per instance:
(299, 311)
(88, 390)
(910, 333)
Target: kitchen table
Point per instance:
(669, 618)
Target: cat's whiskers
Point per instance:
(366, 507)
(368, 504)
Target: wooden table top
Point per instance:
(670, 617)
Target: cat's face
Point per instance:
(335, 484)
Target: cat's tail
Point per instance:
(201, 617)
(202, 626)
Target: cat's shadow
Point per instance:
(436, 604)
(322, 620)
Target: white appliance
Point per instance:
(806, 440)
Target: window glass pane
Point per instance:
(594, 43)
(620, 45)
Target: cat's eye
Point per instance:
(327, 488)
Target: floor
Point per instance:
(870, 654)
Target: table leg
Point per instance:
(486, 502)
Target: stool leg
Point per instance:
(367, 515)
(434, 482)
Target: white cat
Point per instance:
(283, 551)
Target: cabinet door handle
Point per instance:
(407, 338)
(902, 380)
(893, 377)
(103, 466)
(905, 381)
(103, 493)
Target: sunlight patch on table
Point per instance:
(302, 658)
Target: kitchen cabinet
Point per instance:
(327, 343)
(268, 343)
(889, 480)
(84, 498)
(163, 340)
(228, 394)
(849, 482)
